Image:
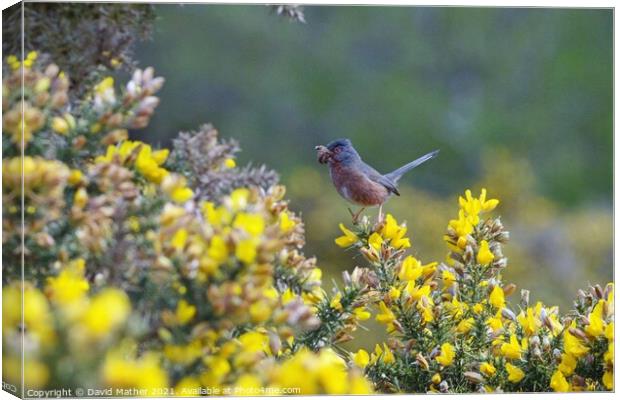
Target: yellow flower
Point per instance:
(120, 371)
(465, 325)
(386, 316)
(473, 206)
(182, 194)
(42, 85)
(218, 368)
(361, 313)
(288, 296)
(248, 385)
(80, 198)
(456, 308)
(529, 321)
(558, 382)
(75, 177)
(495, 322)
(160, 156)
(185, 312)
(425, 308)
(179, 239)
(246, 250)
(515, 374)
(568, 364)
(609, 331)
(183, 354)
(485, 257)
(239, 199)
(286, 223)
(60, 126)
(217, 216)
(148, 166)
(388, 356)
(105, 84)
(608, 357)
(218, 251)
(187, 386)
(511, 350)
(395, 233)
(349, 238)
(68, 287)
(462, 226)
(608, 380)
(496, 298)
(260, 311)
(411, 269)
(36, 312)
(417, 292)
(335, 302)
(251, 223)
(106, 311)
(361, 358)
(573, 345)
(394, 293)
(448, 278)
(230, 163)
(375, 241)
(436, 379)
(487, 368)
(596, 327)
(446, 357)
(252, 342)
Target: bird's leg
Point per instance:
(356, 215)
(380, 216)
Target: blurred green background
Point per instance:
(518, 100)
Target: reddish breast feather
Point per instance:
(356, 187)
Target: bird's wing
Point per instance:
(375, 176)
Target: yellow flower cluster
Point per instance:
(44, 99)
(137, 376)
(455, 321)
(131, 108)
(240, 253)
(460, 229)
(592, 335)
(139, 155)
(44, 183)
(14, 63)
(86, 321)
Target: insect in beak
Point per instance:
(323, 154)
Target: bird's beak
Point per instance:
(322, 153)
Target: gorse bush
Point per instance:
(157, 272)
(451, 329)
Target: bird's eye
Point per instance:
(337, 149)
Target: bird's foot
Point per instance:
(356, 216)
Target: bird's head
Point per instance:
(339, 151)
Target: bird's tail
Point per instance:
(394, 176)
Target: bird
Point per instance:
(358, 182)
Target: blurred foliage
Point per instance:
(536, 81)
(80, 38)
